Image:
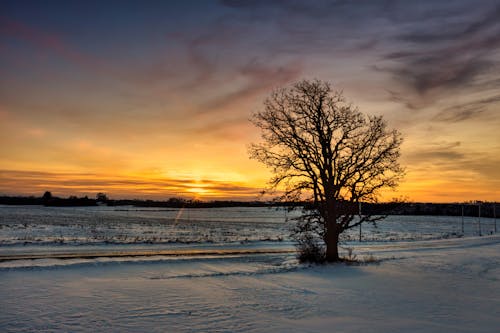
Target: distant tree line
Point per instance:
(47, 199)
(488, 209)
(391, 208)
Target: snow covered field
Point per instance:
(448, 285)
(38, 225)
(428, 284)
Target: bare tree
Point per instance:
(326, 151)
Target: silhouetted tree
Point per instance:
(47, 196)
(101, 197)
(319, 146)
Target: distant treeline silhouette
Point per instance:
(488, 209)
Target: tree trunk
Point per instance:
(332, 242)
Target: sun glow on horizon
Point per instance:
(164, 111)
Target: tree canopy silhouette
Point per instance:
(325, 150)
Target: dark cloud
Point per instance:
(403, 99)
(228, 49)
(452, 157)
(315, 9)
(309, 28)
(448, 55)
(437, 153)
(459, 113)
(260, 79)
(437, 46)
(473, 110)
(324, 10)
(439, 71)
(437, 156)
(451, 31)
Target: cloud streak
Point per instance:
(468, 111)
(36, 182)
(259, 79)
(447, 56)
(452, 157)
(49, 42)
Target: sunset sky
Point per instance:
(151, 99)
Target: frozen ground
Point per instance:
(447, 285)
(77, 226)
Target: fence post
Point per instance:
(495, 216)
(359, 212)
(479, 218)
(463, 219)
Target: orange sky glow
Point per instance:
(156, 104)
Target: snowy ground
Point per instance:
(448, 285)
(56, 226)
